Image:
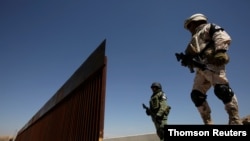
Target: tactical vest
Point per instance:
(213, 28)
(155, 101)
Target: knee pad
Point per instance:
(198, 97)
(223, 92)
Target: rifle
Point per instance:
(151, 113)
(191, 62)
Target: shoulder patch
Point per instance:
(164, 96)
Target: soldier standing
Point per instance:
(210, 43)
(158, 109)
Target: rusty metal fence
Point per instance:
(76, 111)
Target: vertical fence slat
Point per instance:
(76, 111)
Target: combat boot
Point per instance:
(233, 112)
(205, 113)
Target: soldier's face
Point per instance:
(153, 89)
(191, 27)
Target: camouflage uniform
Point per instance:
(210, 44)
(159, 109)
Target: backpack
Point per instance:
(214, 28)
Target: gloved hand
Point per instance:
(184, 63)
(220, 58)
(186, 60)
(148, 112)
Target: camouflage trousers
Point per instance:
(159, 126)
(203, 81)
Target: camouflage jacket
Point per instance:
(158, 104)
(208, 39)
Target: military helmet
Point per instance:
(194, 17)
(156, 84)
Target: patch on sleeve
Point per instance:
(164, 96)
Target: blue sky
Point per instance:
(42, 43)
